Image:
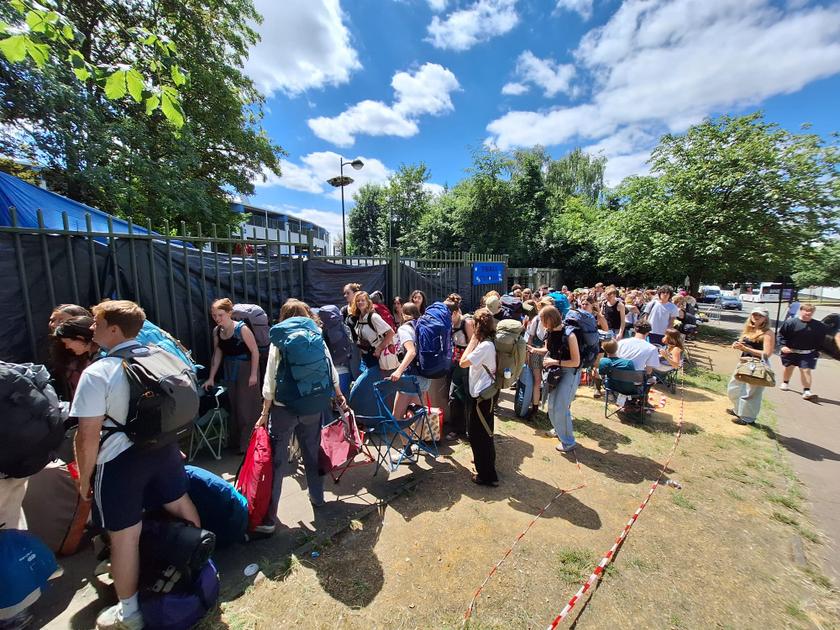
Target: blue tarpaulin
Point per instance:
(27, 199)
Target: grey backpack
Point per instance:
(164, 397)
(256, 319)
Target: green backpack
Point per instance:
(510, 356)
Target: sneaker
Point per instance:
(742, 422)
(566, 449)
(808, 395)
(550, 433)
(784, 387)
(112, 619)
(318, 503)
(265, 529)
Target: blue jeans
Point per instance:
(282, 424)
(746, 399)
(559, 405)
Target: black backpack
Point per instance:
(31, 422)
(164, 397)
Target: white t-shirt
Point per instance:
(659, 316)
(103, 390)
(372, 334)
(484, 356)
(405, 333)
(535, 329)
(640, 352)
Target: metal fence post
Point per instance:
(394, 273)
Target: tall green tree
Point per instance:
(733, 198)
(819, 265)
(406, 201)
(110, 153)
(576, 174)
(528, 202)
(365, 221)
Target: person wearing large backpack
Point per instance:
(408, 362)
(480, 358)
(124, 423)
(235, 343)
(300, 380)
(562, 363)
(340, 343)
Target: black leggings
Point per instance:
(481, 441)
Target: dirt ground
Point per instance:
(729, 550)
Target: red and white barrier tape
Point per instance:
(516, 542)
(608, 557)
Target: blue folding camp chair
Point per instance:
(386, 433)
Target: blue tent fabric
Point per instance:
(27, 199)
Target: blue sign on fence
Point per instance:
(488, 273)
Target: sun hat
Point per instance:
(493, 304)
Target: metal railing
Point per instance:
(176, 274)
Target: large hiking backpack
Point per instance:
(172, 553)
(511, 352)
(523, 397)
(31, 420)
(336, 334)
(26, 566)
(304, 378)
(255, 476)
(585, 328)
(220, 506)
(385, 314)
(183, 609)
(163, 399)
(511, 308)
(434, 341)
(256, 319)
(153, 335)
(561, 302)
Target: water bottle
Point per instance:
(508, 373)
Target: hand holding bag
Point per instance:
(755, 372)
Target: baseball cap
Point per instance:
(760, 311)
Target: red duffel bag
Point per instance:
(255, 476)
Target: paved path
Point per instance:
(810, 431)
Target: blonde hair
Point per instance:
(223, 304)
(124, 314)
(753, 332)
(353, 306)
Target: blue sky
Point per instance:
(405, 81)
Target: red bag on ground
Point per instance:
(255, 475)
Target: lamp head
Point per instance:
(357, 164)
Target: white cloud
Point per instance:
(581, 7)
(665, 64)
(426, 91)
(435, 189)
(305, 44)
(547, 74)
(314, 169)
(437, 5)
(514, 89)
(481, 21)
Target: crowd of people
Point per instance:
(365, 341)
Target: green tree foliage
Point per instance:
(149, 71)
(365, 221)
(733, 198)
(406, 202)
(112, 155)
(820, 266)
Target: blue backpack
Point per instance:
(220, 507)
(585, 327)
(304, 378)
(336, 334)
(561, 302)
(153, 335)
(434, 341)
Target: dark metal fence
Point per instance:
(176, 274)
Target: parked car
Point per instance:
(709, 294)
(730, 302)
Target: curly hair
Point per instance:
(485, 324)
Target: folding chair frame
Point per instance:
(364, 450)
(208, 432)
(384, 429)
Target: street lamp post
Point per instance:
(340, 182)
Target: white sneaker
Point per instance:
(808, 395)
(112, 619)
(550, 433)
(784, 387)
(265, 529)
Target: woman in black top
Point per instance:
(756, 341)
(614, 312)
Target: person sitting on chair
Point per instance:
(612, 362)
(643, 354)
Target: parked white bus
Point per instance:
(767, 292)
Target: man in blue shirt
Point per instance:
(611, 362)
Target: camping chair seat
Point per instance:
(210, 429)
(632, 384)
(384, 431)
